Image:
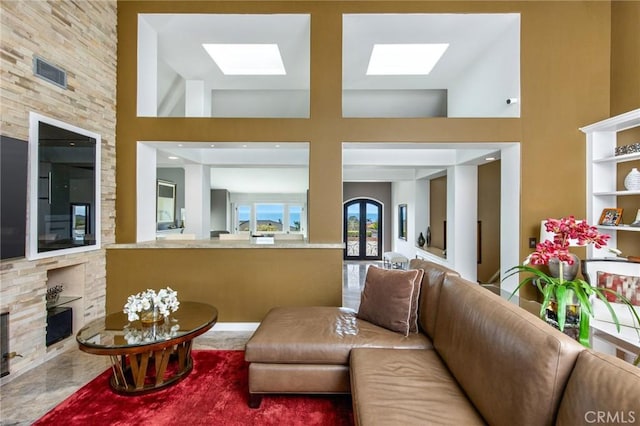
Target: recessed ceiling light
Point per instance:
(179, 144)
(277, 146)
(405, 59)
(490, 158)
(212, 146)
(244, 146)
(172, 157)
(246, 59)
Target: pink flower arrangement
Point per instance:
(565, 230)
(559, 292)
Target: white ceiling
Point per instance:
(180, 39)
(267, 167)
(251, 167)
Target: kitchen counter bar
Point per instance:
(218, 244)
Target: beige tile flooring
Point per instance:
(31, 395)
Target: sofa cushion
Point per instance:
(601, 389)
(512, 365)
(430, 292)
(320, 335)
(390, 299)
(298, 378)
(410, 387)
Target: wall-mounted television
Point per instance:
(13, 197)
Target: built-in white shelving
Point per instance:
(616, 193)
(619, 158)
(602, 190)
(620, 228)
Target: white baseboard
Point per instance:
(234, 326)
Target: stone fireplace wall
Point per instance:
(80, 37)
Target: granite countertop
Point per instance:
(218, 244)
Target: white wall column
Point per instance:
(146, 193)
(462, 220)
(197, 198)
(509, 215)
(147, 69)
(195, 98)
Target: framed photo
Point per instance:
(402, 221)
(610, 217)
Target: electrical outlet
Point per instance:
(532, 242)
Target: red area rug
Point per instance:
(215, 393)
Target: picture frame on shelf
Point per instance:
(610, 217)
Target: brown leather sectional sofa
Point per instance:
(477, 359)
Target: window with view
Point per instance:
(269, 217)
(244, 219)
(295, 218)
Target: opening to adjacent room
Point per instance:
(463, 196)
(227, 190)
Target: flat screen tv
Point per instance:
(13, 197)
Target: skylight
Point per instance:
(405, 59)
(246, 59)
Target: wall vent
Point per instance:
(49, 72)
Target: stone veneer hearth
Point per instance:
(81, 38)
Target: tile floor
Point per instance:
(32, 394)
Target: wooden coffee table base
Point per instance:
(138, 373)
(145, 358)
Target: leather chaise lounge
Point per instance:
(475, 359)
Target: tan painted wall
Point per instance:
(489, 215)
(80, 38)
(438, 210)
(242, 283)
(565, 76)
(625, 56)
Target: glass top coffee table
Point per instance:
(145, 358)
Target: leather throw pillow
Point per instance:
(390, 299)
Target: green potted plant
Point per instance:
(562, 295)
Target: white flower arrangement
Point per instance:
(165, 301)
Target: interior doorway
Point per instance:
(363, 229)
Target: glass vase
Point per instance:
(572, 318)
(151, 316)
